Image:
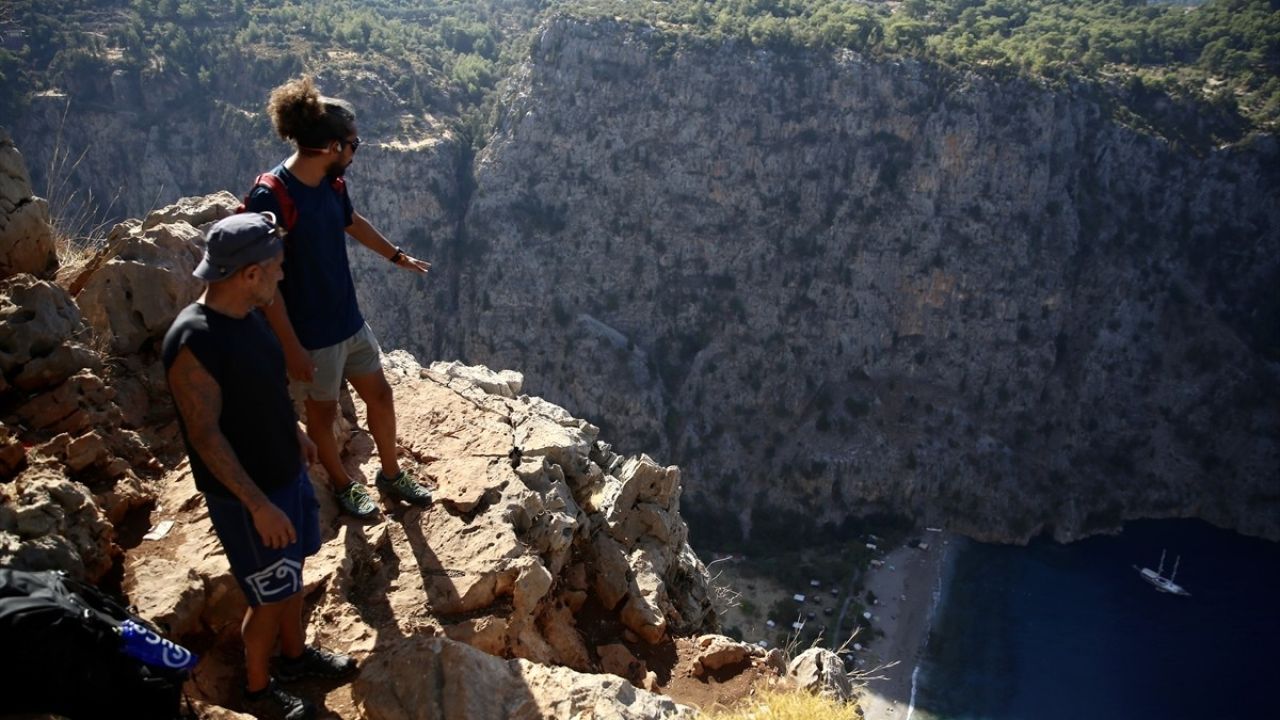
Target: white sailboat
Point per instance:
(1156, 577)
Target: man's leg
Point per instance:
(376, 392)
(364, 370)
(261, 627)
(293, 637)
(321, 415)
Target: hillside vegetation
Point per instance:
(446, 56)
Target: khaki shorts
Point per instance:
(357, 355)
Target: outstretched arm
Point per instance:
(368, 236)
(199, 400)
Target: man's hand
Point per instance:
(310, 454)
(298, 363)
(274, 526)
(409, 262)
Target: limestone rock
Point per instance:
(12, 453)
(26, 238)
(718, 651)
(506, 383)
(39, 324)
(543, 429)
(501, 563)
(143, 277)
(653, 483)
(197, 211)
(54, 524)
(615, 658)
(125, 494)
(86, 450)
(433, 678)
(557, 625)
(821, 671)
(609, 570)
(644, 614)
(84, 401)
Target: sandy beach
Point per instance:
(905, 588)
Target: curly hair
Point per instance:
(301, 114)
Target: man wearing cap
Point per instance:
(316, 316)
(227, 374)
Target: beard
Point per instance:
(337, 169)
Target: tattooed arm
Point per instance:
(199, 400)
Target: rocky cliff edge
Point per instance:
(546, 556)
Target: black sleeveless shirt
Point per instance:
(245, 359)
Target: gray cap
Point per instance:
(238, 240)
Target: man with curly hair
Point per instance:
(315, 315)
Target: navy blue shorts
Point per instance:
(268, 575)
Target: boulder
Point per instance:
(718, 651)
(546, 430)
(82, 402)
(143, 278)
(436, 679)
(653, 483)
(609, 570)
(821, 671)
(26, 237)
(615, 658)
(643, 613)
(197, 211)
(39, 326)
(52, 523)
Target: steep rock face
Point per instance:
(826, 286)
(26, 239)
(832, 286)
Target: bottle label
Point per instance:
(143, 644)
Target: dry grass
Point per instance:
(787, 705)
(79, 227)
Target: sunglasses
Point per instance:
(355, 144)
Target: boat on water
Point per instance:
(1156, 577)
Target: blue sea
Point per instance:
(1054, 631)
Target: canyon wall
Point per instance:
(828, 286)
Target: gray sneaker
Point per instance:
(404, 487)
(355, 500)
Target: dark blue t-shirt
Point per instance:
(317, 287)
(245, 359)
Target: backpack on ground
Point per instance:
(62, 651)
(288, 211)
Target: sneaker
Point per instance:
(316, 662)
(274, 701)
(404, 487)
(355, 500)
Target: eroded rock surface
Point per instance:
(26, 238)
(499, 562)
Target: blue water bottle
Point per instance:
(142, 644)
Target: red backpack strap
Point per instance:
(272, 182)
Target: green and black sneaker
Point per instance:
(404, 488)
(355, 500)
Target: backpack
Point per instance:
(288, 210)
(61, 652)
